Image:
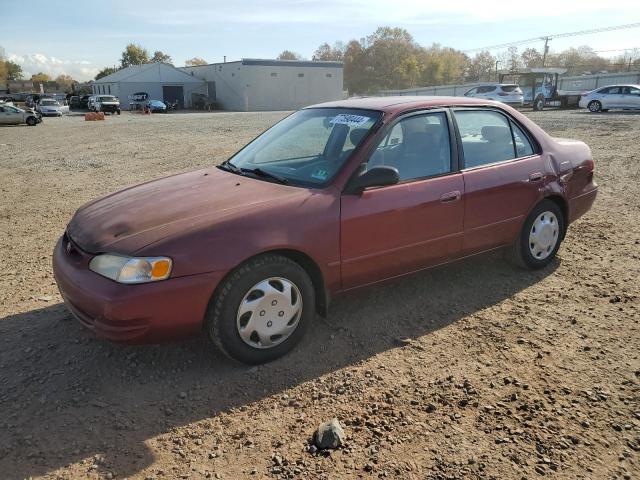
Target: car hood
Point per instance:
(128, 220)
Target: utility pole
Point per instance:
(546, 50)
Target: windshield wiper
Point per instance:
(263, 173)
(230, 167)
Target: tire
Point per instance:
(594, 106)
(525, 253)
(224, 320)
(31, 121)
(538, 104)
(118, 112)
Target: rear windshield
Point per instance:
(511, 88)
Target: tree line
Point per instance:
(390, 58)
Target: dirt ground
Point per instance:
(474, 370)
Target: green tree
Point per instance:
(161, 57)
(14, 71)
(289, 55)
(195, 61)
(105, 71)
(481, 67)
(356, 68)
(531, 58)
(66, 81)
(326, 52)
(40, 77)
(134, 54)
(388, 49)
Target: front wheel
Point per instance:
(594, 106)
(261, 310)
(538, 103)
(32, 122)
(540, 237)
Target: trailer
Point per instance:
(540, 87)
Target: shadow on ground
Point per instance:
(67, 396)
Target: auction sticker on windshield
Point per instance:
(350, 120)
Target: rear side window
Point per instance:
(523, 145)
(486, 137)
(511, 89)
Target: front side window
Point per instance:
(486, 137)
(308, 147)
(471, 92)
(417, 147)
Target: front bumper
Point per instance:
(109, 108)
(143, 313)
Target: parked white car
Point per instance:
(626, 97)
(103, 103)
(49, 107)
(10, 115)
(508, 93)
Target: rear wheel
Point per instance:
(262, 310)
(540, 237)
(594, 106)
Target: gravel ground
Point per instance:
(474, 370)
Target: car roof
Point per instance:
(404, 102)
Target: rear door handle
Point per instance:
(450, 196)
(535, 177)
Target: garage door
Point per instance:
(172, 94)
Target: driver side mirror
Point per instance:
(376, 177)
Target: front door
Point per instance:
(503, 176)
(393, 230)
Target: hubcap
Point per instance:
(269, 313)
(544, 235)
(593, 107)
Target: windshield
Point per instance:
(309, 147)
(107, 99)
(49, 102)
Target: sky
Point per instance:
(80, 39)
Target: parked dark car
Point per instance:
(83, 103)
(334, 197)
(156, 106)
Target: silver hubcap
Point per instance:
(544, 235)
(269, 313)
(593, 107)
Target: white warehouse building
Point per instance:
(259, 85)
(160, 81)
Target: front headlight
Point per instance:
(131, 269)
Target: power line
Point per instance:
(557, 35)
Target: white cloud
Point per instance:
(31, 63)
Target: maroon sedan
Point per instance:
(333, 197)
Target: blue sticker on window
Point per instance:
(320, 174)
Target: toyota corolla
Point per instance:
(334, 197)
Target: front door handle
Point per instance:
(450, 196)
(535, 177)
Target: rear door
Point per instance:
(612, 98)
(393, 230)
(503, 175)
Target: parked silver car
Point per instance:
(626, 97)
(49, 106)
(508, 93)
(10, 115)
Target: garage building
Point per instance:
(259, 85)
(159, 81)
